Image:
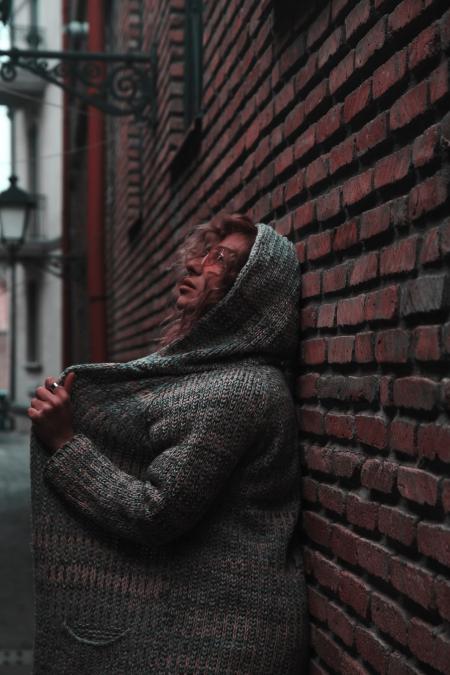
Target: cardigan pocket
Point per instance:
(93, 635)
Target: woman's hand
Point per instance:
(51, 413)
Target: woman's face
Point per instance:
(205, 272)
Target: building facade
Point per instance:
(330, 121)
(36, 113)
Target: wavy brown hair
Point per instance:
(179, 322)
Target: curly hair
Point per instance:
(179, 322)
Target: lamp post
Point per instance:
(15, 208)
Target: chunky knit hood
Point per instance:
(257, 319)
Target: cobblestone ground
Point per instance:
(16, 587)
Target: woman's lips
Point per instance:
(186, 284)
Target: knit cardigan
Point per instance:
(164, 531)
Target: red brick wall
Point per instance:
(334, 127)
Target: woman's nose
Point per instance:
(194, 265)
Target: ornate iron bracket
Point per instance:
(117, 84)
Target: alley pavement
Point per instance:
(16, 579)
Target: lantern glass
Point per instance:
(13, 222)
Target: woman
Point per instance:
(165, 490)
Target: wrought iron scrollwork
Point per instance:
(117, 84)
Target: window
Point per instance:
(193, 71)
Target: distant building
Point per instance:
(36, 127)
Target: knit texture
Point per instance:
(164, 532)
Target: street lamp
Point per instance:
(15, 209)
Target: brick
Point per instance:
(342, 155)
(329, 124)
(340, 349)
(329, 205)
(442, 594)
(346, 463)
(419, 393)
(338, 7)
(362, 389)
(445, 30)
(397, 524)
(427, 196)
(446, 495)
(409, 107)
(310, 420)
(349, 665)
(350, 311)
(330, 47)
(364, 269)
(371, 43)
(304, 215)
(422, 641)
(309, 489)
(284, 225)
(378, 475)
(311, 284)
(426, 147)
(391, 346)
(317, 604)
(371, 430)
(316, 98)
(426, 343)
(375, 222)
(371, 649)
(357, 19)
(426, 294)
(342, 72)
(284, 161)
(382, 304)
(361, 512)
(294, 120)
(417, 485)
(357, 101)
(389, 74)
(358, 188)
(331, 498)
(318, 245)
(325, 647)
(413, 581)
(372, 134)
(445, 238)
(343, 544)
(345, 236)
(430, 251)
(316, 172)
(305, 143)
(305, 74)
(446, 338)
(339, 425)
(392, 169)
(398, 209)
(434, 541)
(308, 317)
(317, 528)
(306, 386)
(339, 623)
(354, 593)
(318, 459)
(294, 186)
(439, 83)
(433, 440)
(326, 572)
(318, 28)
(424, 47)
(406, 12)
(364, 352)
(386, 384)
(402, 436)
(389, 618)
(334, 387)
(314, 351)
(327, 315)
(335, 279)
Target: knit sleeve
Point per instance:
(180, 483)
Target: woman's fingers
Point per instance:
(68, 382)
(44, 394)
